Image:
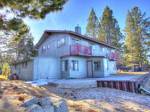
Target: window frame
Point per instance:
(75, 65)
(97, 65)
(64, 65)
(61, 42)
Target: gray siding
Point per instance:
(52, 50)
(24, 70)
(51, 46)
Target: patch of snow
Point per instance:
(40, 82)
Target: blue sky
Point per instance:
(77, 11)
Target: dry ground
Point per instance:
(102, 100)
(14, 93)
(131, 73)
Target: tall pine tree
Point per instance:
(31, 8)
(92, 27)
(137, 36)
(109, 31)
(13, 11)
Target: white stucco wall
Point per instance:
(46, 68)
(109, 67)
(82, 72)
(112, 67)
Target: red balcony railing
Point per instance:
(79, 49)
(113, 56)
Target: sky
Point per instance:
(76, 12)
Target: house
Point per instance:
(68, 54)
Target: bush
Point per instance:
(5, 71)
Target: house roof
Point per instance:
(49, 32)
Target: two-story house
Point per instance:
(68, 54)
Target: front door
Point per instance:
(64, 69)
(89, 69)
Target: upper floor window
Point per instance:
(103, 49)
(75, 41)
(60, 42)
(48, 46)
(43, 48)
(94, 47)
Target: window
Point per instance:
(43, 49)
(107, 65)
(75, 65)
(64, 65)
(97, 65)
(48, 46)
(61, 42)
(94, 47)
(76, 41)
(103, 49)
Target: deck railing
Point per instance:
(82, 50)
(78, 49)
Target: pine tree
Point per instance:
(31, 8)
(109, 31)
(137, 35)
(25, 49)
(92, 27)
(13, 11)
(19, 45)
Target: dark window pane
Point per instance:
(97, 65)
(75, 65)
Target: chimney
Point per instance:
(78, 29)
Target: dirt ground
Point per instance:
(14, 93)
(102, 100)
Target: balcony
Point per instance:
(80, 50)
(113, 56)
(98, 52)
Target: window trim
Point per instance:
(65, 64)
(61, 42)
(98, 66)
(75, 65)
